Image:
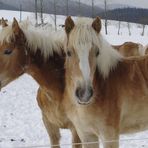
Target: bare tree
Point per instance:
(92, 8)
(143, 29)
(67, 7)
(55, 15)
(41, 11)
(79, 7)
(105, 13)
(119, 25)
(36, 12)
(20, 12)
(128, 26)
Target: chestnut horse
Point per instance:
(146, 49)
(128, 49)
(3, 22)
(106, 94)
(31, 51)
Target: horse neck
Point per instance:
(123, 77)
(48, 73)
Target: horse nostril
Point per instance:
(84, 94)
(79, 93)
(90, 92)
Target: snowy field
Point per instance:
(20, 117)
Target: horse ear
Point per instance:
(69, 24)
(3, 23)
(15, 27)
(97, 24)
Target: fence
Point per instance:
(84, 143)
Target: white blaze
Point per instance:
(84, 63)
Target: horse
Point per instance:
(3, 22)
(106, 94)
(28, 50)
(146, 49)
(128, 49)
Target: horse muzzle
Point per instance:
(84, 95)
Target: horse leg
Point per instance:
(110, 138)
(88, 139)
(53, 132)
(75, 138)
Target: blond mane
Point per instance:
(83, 35)
(47, 41)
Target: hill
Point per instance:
(48, 7)
(135, 15)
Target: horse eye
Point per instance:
(97, 53)
(7, 51)
(69, 53)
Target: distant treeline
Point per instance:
(135, 15)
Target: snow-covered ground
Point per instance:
(20, 117)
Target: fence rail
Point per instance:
(83, 143)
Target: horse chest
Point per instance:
(84, 119)
(52, 109)
(134, 115)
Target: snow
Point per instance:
(20, 117)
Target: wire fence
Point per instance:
(82, 143)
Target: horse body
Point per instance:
(118, 103)
(50, 77)
(32, 52)
(128, 49)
